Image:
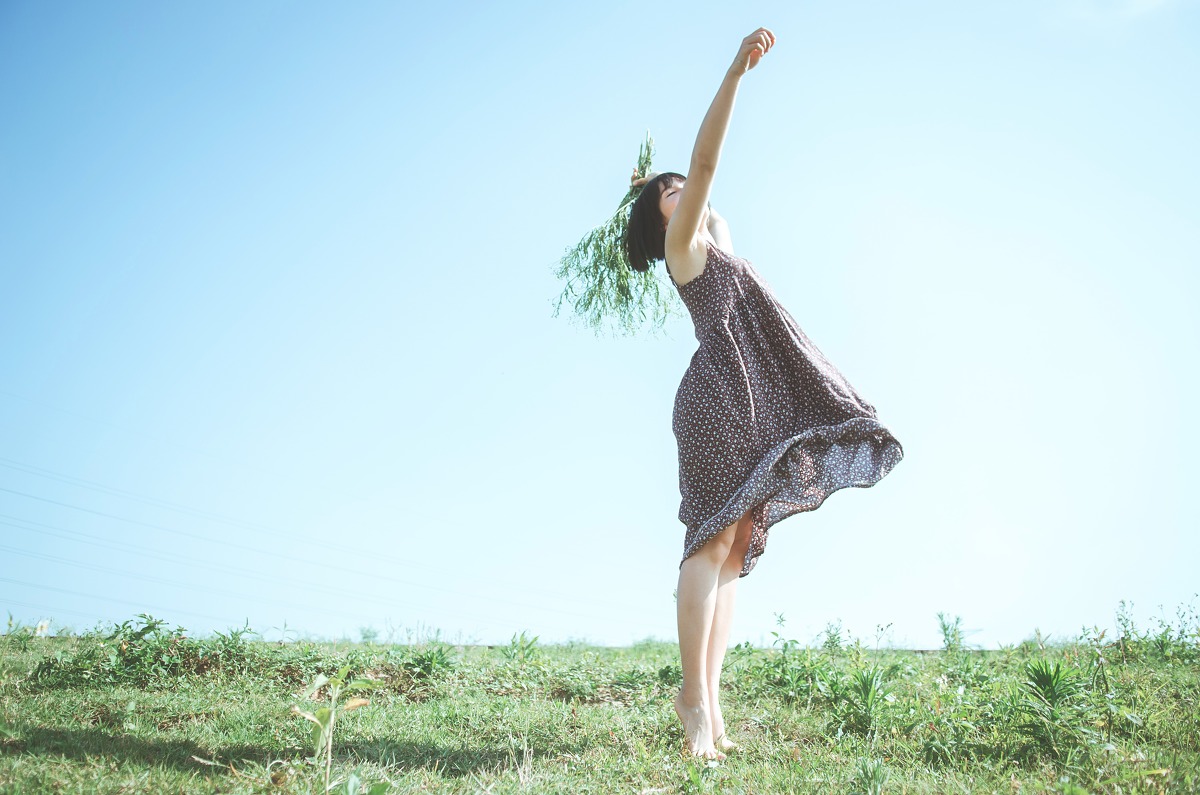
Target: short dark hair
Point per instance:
(645, 236)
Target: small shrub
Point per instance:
(575, 683)
(1053, 708)
(429, 662)
(324, 719)
(671, 676)
(952, 633)
(789, 673)
(521, 649)
(833, 637)
(858, 699)
(869, 777)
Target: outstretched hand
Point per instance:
(753, 48)
(636, 182)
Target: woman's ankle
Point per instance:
(693, 697)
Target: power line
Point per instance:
(139, 605)
(283, 556)
(178, 584)
(50, 611)
(288, 537)
(229, 571)
(160, 580)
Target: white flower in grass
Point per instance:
(42, 628)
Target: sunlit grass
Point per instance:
(142, 707)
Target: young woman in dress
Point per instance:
(767, 427)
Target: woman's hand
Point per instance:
(753, 48)
(636, 182)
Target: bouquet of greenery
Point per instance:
(601, 287)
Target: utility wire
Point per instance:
(283, 556)
(207, 590)
(235, 522)
(139, 605)
(50, 612)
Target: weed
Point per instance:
(353, 785)
(428, 662)
(833, 637)
(869, 777)
(858, 700)
(1053, 708)
(18, 635)
(671, 676)
(792, 673)
(952, 632)
(521, 649)
(324, 719)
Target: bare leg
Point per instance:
(696, 604)
(718, 639)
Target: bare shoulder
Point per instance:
(688, 263)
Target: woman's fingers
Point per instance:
(754, 47)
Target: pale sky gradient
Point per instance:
(276, 284)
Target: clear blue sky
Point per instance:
(276, 284)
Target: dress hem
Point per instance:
(798, 475)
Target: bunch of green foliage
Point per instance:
(601, 287)
(144, 652)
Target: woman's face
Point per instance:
(669, 200)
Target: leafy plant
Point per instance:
(601, 287)
(833, 637)
(19, 635)
(324, 719)
(521, 649)
(353, 785)
(144, 651)
(952, 633)
(791, 673)
(859, 698)
(428, 662)
(1053, 707)
(869, 777)
(135, 651)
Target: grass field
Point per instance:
(140, 707)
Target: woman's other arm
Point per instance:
(719, 231)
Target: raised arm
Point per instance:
(685, 247)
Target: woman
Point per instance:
(766, 426)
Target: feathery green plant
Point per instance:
(601, 287)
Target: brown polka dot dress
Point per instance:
(764, 422)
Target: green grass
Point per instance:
(141, 708)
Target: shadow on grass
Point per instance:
(90, 743)
(449, 760)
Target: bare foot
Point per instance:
(697, 728)
(720, 741)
